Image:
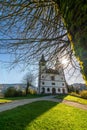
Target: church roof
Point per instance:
(52, 71)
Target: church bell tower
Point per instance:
(42, 69)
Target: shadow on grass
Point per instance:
(20, 117)
(61, 96)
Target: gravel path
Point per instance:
(8, 106)
(13, 104)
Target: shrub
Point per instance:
(23, 92)
(83, 94)
(71, 89)
(31, 91)
(77, 91)
(10, 92)
(75, 94)
(19, 93)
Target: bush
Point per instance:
(11, 92)
(31, 91)
(23, 92)
(83, 94)
(19, 93)
(75, 94)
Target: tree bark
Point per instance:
(75, 19)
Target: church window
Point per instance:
(42, 76)
(48, 89)
(52, 78)
(43, 90)
(58, 89)
(53, 83)
(43, 83)
(62, 84)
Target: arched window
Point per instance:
(43, 90)
(53, 91)
(63, 90)
(48, 89)
(43, 83)
(58, 89)
(42, 76)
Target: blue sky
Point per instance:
(16, 74)
(8, 75)
(12, 75)
(75, 78)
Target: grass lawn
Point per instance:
(4, 101)
(72, 98)
(44, 115)
(29, 96)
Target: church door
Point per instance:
(53, 91)
(63, 91)
(43, 90)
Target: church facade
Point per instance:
(51, 81)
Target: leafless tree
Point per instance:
(30, 28)
(28, 79)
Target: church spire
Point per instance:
(57, 64)
(42, 59)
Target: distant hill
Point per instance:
(20, 86)
(79, 86)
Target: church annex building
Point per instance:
(51, 81)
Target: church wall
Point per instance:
(47, 76)
(50, 90)
(53, 83)
(57, 82)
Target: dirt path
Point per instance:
(70, 103)
(78, 105)
(8, 106)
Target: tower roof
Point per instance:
(57, 64)
(42, 59)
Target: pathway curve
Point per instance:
(78, 105)
(8, 106)
(13, 104)
(70, 103)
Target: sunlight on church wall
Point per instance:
(64, 61)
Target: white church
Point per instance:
(51, 81)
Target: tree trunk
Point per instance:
(75, 19)
(27, 88)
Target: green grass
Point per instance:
(4, 101)
(29, 96)
(44, 115)
(72, 98)
(61, 96)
